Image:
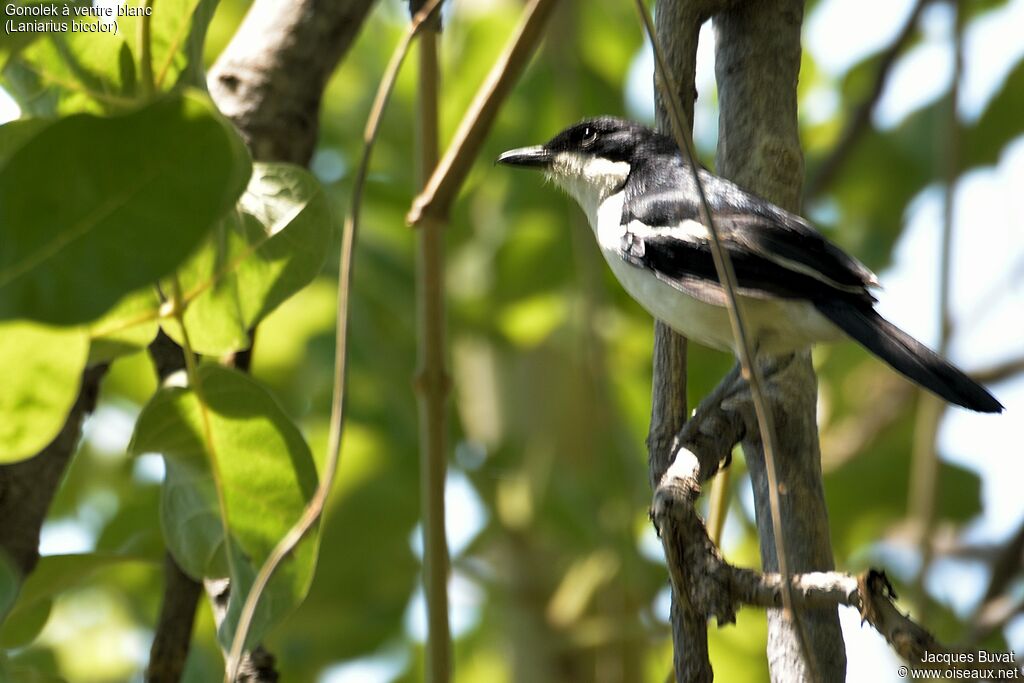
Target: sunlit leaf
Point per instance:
(100, 70)
(69, 72)
(26, 26)
(177, 27)
(42, 367)
(999, 124)
(273, 246)
(126, 328)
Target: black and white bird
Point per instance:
(795, 287)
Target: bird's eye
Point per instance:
(589, 137)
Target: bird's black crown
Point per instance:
(611, 138)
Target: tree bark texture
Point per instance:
(678, 25)
(757, 64)
(271, 77)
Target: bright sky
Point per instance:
(988, 247)
(838, 33)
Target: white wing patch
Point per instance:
(695, 232)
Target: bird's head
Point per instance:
(592, 158)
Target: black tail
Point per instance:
(908, 356)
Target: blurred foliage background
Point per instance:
(556, 572)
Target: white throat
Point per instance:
(590, 180)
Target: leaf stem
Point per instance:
(178, 308)
(316, 504)
(146, 50)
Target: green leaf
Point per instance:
(16, 133)
(231, 494)
(126, 328)
(16, 671)
(10, 579)
(11, 43)
(258, 257)
(72, 72)
(42, 368)
(868, 493)
(999, 124)
(68, 72)
(177, 30)
(53, 575)
(124, 199)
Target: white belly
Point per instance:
(775, 327)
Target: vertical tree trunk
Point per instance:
(678, 28)
(757, 66)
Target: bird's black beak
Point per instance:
(531, 157)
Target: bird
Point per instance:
(795, 287)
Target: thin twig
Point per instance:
(316, 504)
(999, 372)
(431, 382)
(858, 122)
(751, 371)
(450, 173)
(872, 595)
(998, 605)
(925, 465)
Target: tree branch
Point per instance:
(873, 596)
(711, 587)
(271, 77)
(172, 637)
(453, 168)
(432, 382)
(757, 65)
(173, 634)
(999, 372)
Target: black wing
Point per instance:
(684, 260)
(751, 228)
